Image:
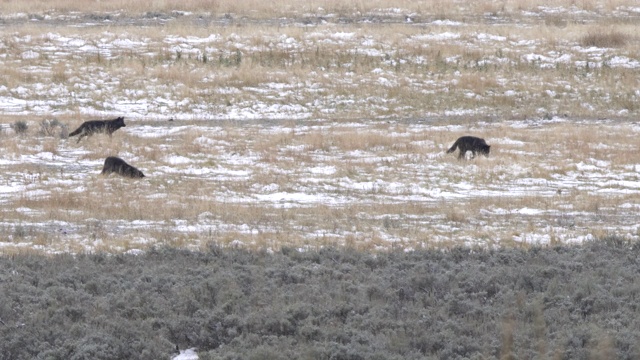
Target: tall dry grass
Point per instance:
(260, 9)
(385, 183)
(387, 178)
(605, 40)
(403, 72)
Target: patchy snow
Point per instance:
(319, 174)
(189, 354)
(101, 93)
(490, 37)
(438, 37)
(214, 173)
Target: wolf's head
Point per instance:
(485, 149)
(119, 122)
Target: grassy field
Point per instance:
(372, 186)
(308, 125)
(491, 61)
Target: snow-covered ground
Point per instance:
(189, 354)
(66, 68)
(376, 186)
(315, 156)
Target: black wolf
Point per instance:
(89, 128)
(116, 165)
(470, 143)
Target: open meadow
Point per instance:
(298, 200)
(375, 185)
(320, 125)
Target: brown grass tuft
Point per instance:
(611, 39)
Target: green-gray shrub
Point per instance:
(20, 127)
(53, 127)
(331, 303)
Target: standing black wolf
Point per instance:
(89, 128)
(472, 143)
(116, 165)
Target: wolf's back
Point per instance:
(116, 165)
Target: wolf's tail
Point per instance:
(75, 132)
(451, 149)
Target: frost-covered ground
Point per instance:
(350, 152)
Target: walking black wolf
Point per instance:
(89, 128)
(116, 165)
(470, 143)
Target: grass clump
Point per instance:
(53, 127)
(611, 39)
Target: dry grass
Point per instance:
(405, 72)
(389, 186)
(385, 183)
(611, 39)
(260, 9)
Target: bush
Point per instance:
(604, 40)
(20, 127)
(331, 303)
(49, 128)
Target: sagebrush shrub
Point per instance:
(20, 127)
